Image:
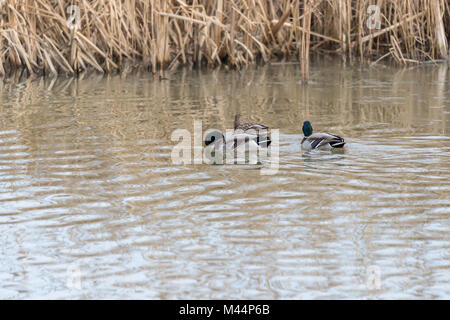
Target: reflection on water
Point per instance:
(86, 183)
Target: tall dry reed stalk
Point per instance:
(163, 34)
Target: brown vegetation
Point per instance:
(163, 34)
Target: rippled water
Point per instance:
(88, 189)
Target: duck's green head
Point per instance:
(307, 128)
(213, 136)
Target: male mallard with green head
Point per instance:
(324, 141)
(229, 141)
(219, 146)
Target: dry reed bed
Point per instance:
(163, 34)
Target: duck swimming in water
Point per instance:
(219, 145)
(230, 141)
(323, 141)
(260, 130)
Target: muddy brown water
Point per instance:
(91, 205)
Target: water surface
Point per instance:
(87, 187)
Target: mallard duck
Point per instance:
(325, 141)
(247, 126)
(219, 144)
(229, 141)
(262, 131)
